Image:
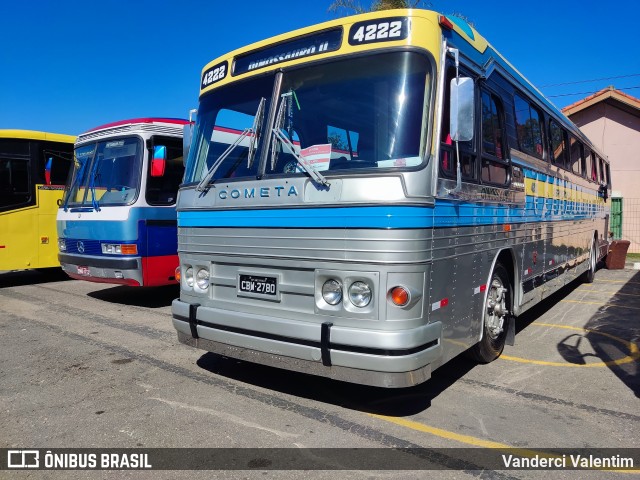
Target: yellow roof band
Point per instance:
(35, 135)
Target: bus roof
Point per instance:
(311, 32)
(175, 121)
(456, 31)
(36, 135)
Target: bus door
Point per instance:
(554, 243)
(533, 255)
(18, 249)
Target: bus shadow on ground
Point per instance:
(20, 278)
(148, 297)
(614, 333)
(382, 401)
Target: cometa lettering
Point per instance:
(264, 192)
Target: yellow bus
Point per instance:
(33, 171)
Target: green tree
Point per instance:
(354, 6)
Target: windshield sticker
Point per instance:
(371, 31)
(214, 74)
(318, 156)
(118, 143)
(315, 44)
(400, 162)
(83, 155)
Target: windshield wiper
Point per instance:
(92, 188)
(76, 181)
(254, 131)
(278, 134)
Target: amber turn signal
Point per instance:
(399, 296)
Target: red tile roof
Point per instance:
(602, 95)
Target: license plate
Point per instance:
(82, 270)
(258, 285)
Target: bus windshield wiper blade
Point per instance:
(76, 181)
(92, 188)
(254, 130)
(278, 134)
(315, 175)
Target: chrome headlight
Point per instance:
(62, 245)
(202, 279)
(188, 276)
(332, 292)
(360, 294)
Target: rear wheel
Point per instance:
(496, 317)
(590, 274)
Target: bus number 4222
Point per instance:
(378, 31)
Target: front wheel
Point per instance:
(497, 316)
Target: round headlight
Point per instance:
(360, 294)
(188, 276)
(202, 279)
(332, 292)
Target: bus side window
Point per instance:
(163, 190)
(558, 144)
(528, 127)
(494, 165)
(594, 168)
(448, 161)
(602, 171)
(14, 182)
(576, 156)
(59, 166)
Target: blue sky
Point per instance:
(68, 65)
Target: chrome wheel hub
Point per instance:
(497, 309)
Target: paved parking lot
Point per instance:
(89, 365)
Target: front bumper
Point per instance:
(125, 271)
(391, 359)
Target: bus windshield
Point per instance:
(105, 173)
(349, 114)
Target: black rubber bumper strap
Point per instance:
(325, 343)
(193, 321)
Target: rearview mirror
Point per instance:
(187, 133)
(159, 161)
(462, 109)
(47, 171)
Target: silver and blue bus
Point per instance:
(117, 219)
(395, 194)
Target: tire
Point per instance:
(590, 275)
(497, 316)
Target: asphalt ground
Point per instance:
(87, 365)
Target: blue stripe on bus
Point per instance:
(385, 217)
(445, 214)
